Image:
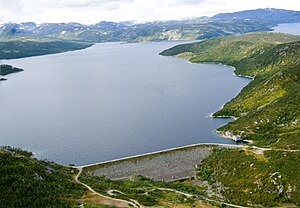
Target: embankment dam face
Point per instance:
(170, 165)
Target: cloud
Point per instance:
(91, 11)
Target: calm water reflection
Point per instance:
(112, 100)
(291, 28)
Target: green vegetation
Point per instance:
(250, 179)
(144, 190)
(8, 69)
(28, 182)
(267, 108)
(268, 113)
(12, 48)
(17, 42)
(20, 47)
(197, 28)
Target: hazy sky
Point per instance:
(91, 11)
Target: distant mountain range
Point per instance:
(196, 28)
(275, 16)
(30, 39)
(153, 31)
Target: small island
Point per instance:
(8, 69)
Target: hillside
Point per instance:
(275, 16)
(18, 40)
(223, 24)
(198, 28)
(29, 182)
(251, 178)
(26, 39)
(268, 108)
(19, 47)
(267, 178)
(267, 112)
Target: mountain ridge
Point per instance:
(277, 16)
(222, 24)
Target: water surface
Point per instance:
(291, 28)
(112, 100)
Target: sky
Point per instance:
(93, 11)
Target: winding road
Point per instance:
(134, 203)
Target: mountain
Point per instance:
(30, 39)
(275, 16)
(20, 47)
(14, 35)
(267, 112)
(223, 24)
(197, 28)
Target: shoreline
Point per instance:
(47, 54)
(222, 134)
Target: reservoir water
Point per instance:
(112, 100)
(291, 28)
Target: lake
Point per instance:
(112, 100)
(291, 28)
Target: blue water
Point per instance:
(291, 28)
(112, 100)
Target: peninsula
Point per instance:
(8, 69)
(267, 112)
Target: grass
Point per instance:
(268, 107)
(144, 190)
(28, 182)
(243, 178)
(29, 46)
(268, 113)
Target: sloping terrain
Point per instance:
(197, 28)
(268, 108)
(267, 112)
(30, 39)
(276, 16)
(20, 47)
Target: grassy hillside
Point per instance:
(197, 28)
(28, 182)
(11, 48)
(268, 108)
(247, 178)
(268, 113)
